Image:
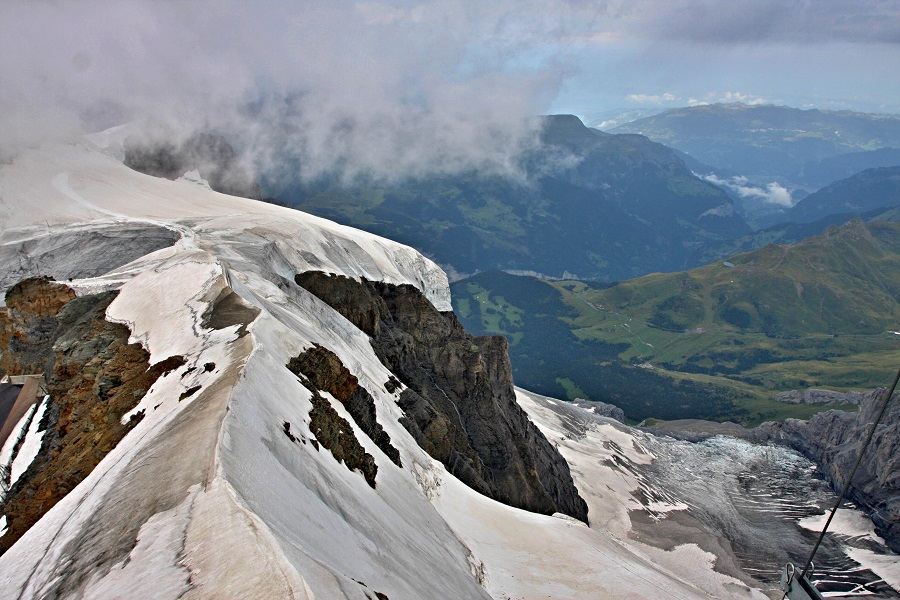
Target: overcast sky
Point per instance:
(424, 86)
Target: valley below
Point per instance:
(718, 342)
(317, 421)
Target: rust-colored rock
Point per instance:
(94, 377)
(28, 322)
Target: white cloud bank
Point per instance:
(380, 88)
(728, 98)
(772, 193)
(656, 99)
(384, 87)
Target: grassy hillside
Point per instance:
(713, 342)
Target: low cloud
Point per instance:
(772, 193)
(386, 88)
(381, 89)
(655, 99)
(728, 98)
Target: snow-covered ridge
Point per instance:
(208, 497)
(61, 184)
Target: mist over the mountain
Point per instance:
(360, 87)
(387, 88)
(205, 395)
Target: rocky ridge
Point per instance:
(459, 401)
(833, 440)
(93, 376)
(816, 396)
(320, 369)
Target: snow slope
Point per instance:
(208, 498)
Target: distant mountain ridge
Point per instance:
(595, 206)
(865, 191)
(767, 141)
(822, 172)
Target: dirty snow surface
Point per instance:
(208, 497)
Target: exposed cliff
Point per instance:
(459, 400)
(833, 439)
(94, 377)
(28, 323)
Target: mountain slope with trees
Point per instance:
(713, 342)
(592, 205)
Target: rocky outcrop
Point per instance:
(816, 396)
(94, 377)
(603, 409)
(28, 323)
(323, 370)
(336, 434)
(211, 155)
(833, 439)
(459, 401)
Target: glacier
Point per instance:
(208, 498)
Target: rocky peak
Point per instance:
(459, 399)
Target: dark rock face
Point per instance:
(321, 369)
(28, 322)
(336, 434)
(210, 154)
(833, 439)
(94, 377)
(459, 399)
(326, 372)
